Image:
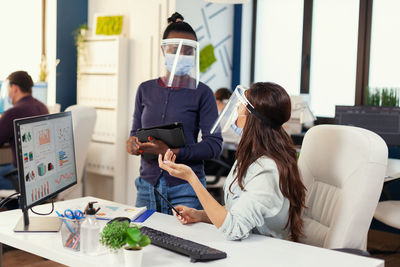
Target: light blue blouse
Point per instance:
(260, 208)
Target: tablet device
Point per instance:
(172, 134)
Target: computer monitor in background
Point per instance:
(39, 91)
(384, 121)
(46, 165)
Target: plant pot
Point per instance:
(116, 257)
(133, 257)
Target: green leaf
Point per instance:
(113, 235)
(144, 241)
(130, 242)
(134, 234)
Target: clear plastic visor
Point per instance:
(181, 58)
(226, 122)
(4, 104)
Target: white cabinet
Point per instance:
(103, 84)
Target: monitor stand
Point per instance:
(38, 224)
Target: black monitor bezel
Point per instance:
(18, 151)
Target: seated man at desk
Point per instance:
(19, 85)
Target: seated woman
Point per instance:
(263, 192)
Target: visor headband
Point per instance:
(264, 119)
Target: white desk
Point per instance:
(254, 251)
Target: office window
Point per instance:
(21, 35)
(279, 32)
(333, 55)
(385, 44)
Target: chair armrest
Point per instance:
(354, 251)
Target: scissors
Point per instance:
(77, 214)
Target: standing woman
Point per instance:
(176, 97)
(263, 192)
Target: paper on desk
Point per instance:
(108, 212)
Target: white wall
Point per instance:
(147, 21)
(213, 24)
(21, 37)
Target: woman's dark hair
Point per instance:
(22, 79)
(259, 139)
(222, 94)
(176, 24)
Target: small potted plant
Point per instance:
(118, 234)
(135, 241)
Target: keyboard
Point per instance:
(196, 251)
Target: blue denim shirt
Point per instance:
(260, 208)
(195, 108)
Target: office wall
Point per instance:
(70, 14)
(213, 24)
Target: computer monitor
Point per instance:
(39, 91)
(384, 121)
(46, 165)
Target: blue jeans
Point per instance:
(6, 183)
(182, 194)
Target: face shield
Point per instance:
(5, 100)
(181, 62)
(234, 110)
(237, 107)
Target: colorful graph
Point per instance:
(44, 136)
(26, 137)
(64, 176)
(41, 169)
(62, 157)
(40, 192)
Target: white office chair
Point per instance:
(388, 211)
(83, 120)
(343, 169)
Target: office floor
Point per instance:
(381, 245)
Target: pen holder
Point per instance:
(70, 233)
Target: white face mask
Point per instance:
(184, 65)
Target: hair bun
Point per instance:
(176, 17)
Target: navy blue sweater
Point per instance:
(195, 108)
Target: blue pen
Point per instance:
(66, 223)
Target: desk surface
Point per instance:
(256, 250)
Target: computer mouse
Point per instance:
(120, 219)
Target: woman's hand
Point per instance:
(154, 146)
(188, 215)
(181, 171)
(133, 146)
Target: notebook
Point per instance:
(108, 212)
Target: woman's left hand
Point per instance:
(154, 146)
(181, 171)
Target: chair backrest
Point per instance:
(343, 169)
(83, 121)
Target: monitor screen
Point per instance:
(384, 121)
(45, 156)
